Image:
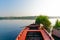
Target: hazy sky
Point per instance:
(29, 7)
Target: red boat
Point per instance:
(33, 32)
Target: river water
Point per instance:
(9, 29)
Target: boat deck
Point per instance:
(34, 36)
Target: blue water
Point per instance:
(9, 29)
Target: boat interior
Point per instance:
(33, 35)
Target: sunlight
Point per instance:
(46, 7)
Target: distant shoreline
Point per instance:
(26, 17)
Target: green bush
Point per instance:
(57, 25)
(44, 20)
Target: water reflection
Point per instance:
(9, 29)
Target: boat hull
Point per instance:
(35, 34)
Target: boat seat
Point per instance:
(33, 27)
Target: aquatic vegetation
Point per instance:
(57, 24)
(43, 20)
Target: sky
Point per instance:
(29, 7)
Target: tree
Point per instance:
(43, 20)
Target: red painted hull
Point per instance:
(24, 35)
